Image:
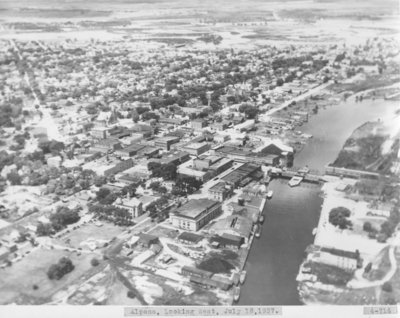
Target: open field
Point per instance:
(91, 231)
(17, 281)
(161, 231)
(238, 23)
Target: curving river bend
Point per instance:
(292, 213)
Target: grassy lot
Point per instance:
(363, 296)
(341, 297)
(91, 231)
(381, 266)
(370, 82)
(359, 223)
(330, 274)
(171, 296)
(32, 270)
(394, 296)
(118, 296)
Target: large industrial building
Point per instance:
(195, 214)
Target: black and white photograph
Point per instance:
(199, 158)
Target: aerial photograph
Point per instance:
(200, 153)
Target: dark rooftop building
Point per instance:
(130, 151)
(212, 282)
(248, 170)
(147, 239)
(195, 272)
(190, 238)
(228, 240)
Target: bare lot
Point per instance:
(91, 231)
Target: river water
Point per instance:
(292, 213)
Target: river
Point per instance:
(292, 213)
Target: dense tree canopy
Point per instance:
(338, 217)
(186, 186)
(165, 171)
(57, 271)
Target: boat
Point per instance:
(236, 293)
(242, 277)
(295, 181)
(261, 218)
(314, 231)
(258, 231)
(269, 194)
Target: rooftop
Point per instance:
(133, 147)
(194, 208)
(191, 237)
(195, 145)
(342, 253)
(220, 186)
(166, 139)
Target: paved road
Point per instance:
(295, 99)
(363, 283)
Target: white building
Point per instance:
(133, 205)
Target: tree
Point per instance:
(44, 229)
(152, 209)
(102, 193)
(63, 267)
(249, 110)
(23, 237)
(157, 187)
(381, 238)
(150, 115)
(367, 227)
(63, 217)
(387, 287)
(14, 178)
(130, 294)
(165, 171)
(338, 217)
(54, 147)
(368, 268)
(94, 262)
(131, 189)
(53, 272)
(340, 57)
(387, 228)
(279, 82)
(186, 186)
(99, 181)
(135, 116)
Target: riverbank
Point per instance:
(325, 279)
(274, 258)
(331, 97)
